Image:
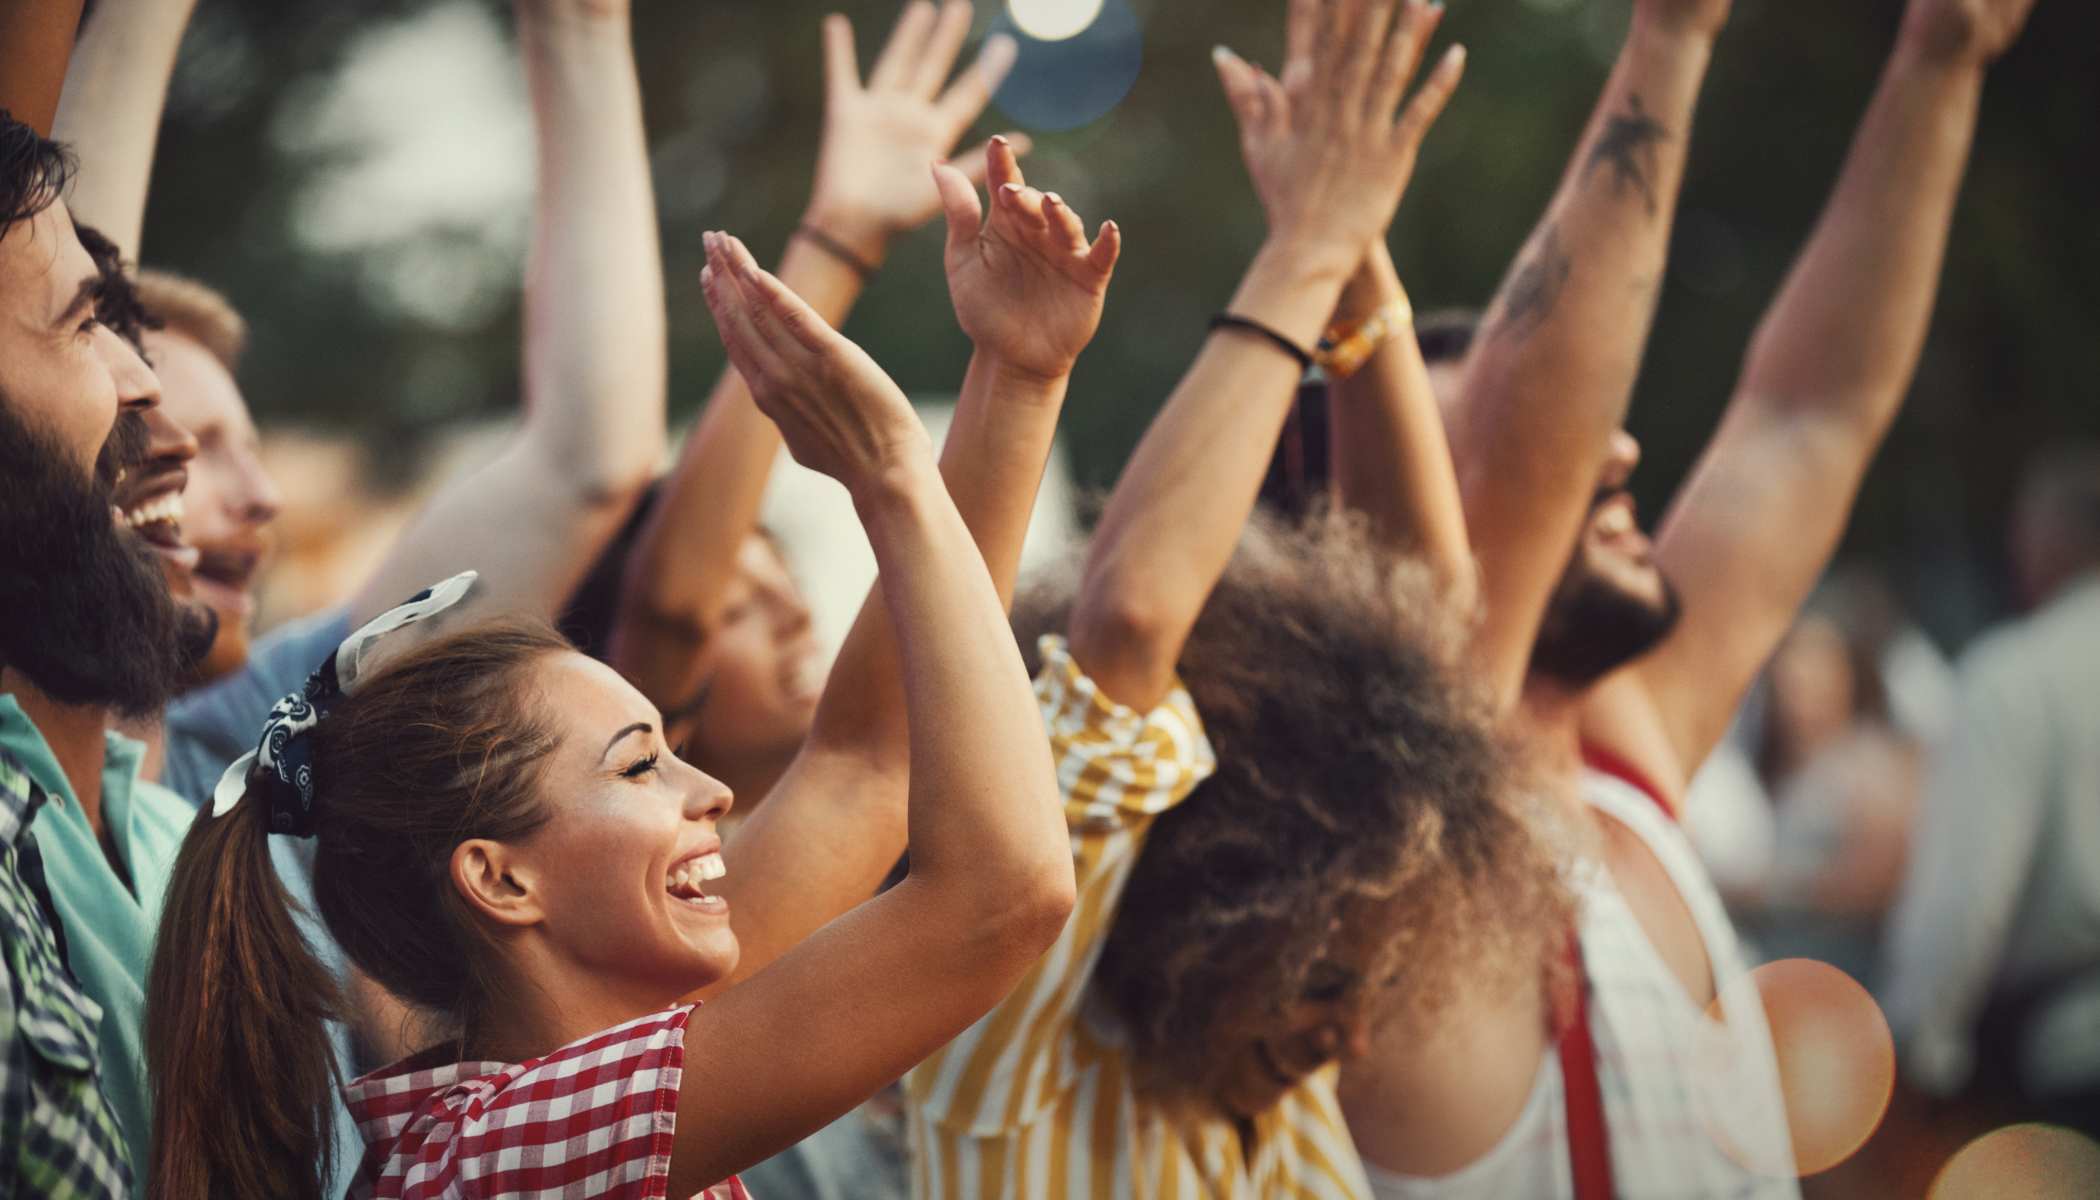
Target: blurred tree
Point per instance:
(733, 92)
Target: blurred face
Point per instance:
(1330, 1022)
(619, 875)
(1612, 604)
(764, 672)
(1811, 684)
(230, 499)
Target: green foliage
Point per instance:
(733, 92)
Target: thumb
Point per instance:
(959, 202)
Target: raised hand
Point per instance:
(1974, 32)
(871, 180)
(1026, 283)
(1328, 145)
(837, 411)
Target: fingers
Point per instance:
(1403, 56)
(1301, 36)
(754, 359)
(977, 165)
(899, 62)
(1062, 220)
(1422, 111)
(973, 89)
(1243, 89)
(959, 203)
(841, 66)
(1107, 247)
(777, 313)
(950, 30)
(1360, 58)
(1023, 204)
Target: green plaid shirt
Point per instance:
(58, 1137)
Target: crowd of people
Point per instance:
(1333, 851)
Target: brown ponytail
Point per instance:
(440, 747)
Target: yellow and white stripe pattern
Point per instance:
(1034, 1102)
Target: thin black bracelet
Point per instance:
(1233, 321)
(836, 249)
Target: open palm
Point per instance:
(878, 137)
(1027, 284)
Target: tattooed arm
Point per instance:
(1762, 511)
(1550, 374)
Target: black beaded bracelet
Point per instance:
(1232, 321)
(836, 249)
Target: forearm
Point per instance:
(1842, 339)
(110, 111)
(683, 564)
(1176, 512)
(1764, 507)
(36, 39)
(839, 821)
(1386, 437)
(595, 357)
(985, 814)
(1550, 374)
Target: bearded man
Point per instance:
(87, 624)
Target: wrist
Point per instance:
(1291, 293)
(1022, 381)
(1690, 31)
(898, 486)
(1948, 44)
(852, 228)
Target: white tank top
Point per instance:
(1644, 1027)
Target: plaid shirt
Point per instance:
(593, 1119)
(58, 1136)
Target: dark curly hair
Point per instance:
(1360, 796)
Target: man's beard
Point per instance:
(1592, 627)
(85, 611)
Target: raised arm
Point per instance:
(1391, 461)
(871, 188)
(36, 38)
(1330, 150)
(110, 112)
(1549, 376)
(861, 1000)
(1763, 509)
(533, 519)
(1028, 289)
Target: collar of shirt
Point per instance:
(121, 759)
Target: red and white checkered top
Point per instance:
(593, 1119)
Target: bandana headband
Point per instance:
(283, 755)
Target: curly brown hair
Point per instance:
(1361, 798)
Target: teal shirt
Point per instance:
(109, 927)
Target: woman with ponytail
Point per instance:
(503, 840)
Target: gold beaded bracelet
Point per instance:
(1349, 344)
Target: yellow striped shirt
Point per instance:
(1035, 1102)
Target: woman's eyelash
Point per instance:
(640, 768)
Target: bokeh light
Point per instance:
(1065, 82)
(2022, 1162)
(1837, 1066)
(1053, 20)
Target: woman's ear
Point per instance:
(494, 880)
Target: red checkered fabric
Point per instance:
(593, 1119)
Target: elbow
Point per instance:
(1033, 911)
(1120, 623)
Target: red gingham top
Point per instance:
(593, 1119)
